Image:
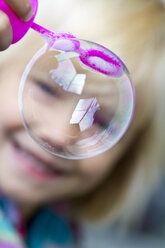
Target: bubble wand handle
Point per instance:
(87, 56)
(50, 34)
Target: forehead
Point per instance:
(21, 52)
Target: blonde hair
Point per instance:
(135, 31)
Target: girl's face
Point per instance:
(30, 174)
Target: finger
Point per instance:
(22, 8)
(6, 33)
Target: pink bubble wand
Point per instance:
(106, 63)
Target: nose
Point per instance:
(60, 135)
(53, 126)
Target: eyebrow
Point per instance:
(107, 91)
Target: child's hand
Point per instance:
(23, 10)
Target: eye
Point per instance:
(101, 120)
(46, 88)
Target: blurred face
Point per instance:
(30, 174)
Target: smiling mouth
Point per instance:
(35, 166)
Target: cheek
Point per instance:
(9, 102)
(98, 166)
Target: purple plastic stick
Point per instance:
(50, 34)
(95, 59)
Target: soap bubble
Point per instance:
(76, 98)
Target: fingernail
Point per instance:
(28, 16)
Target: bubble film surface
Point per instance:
(76, 98)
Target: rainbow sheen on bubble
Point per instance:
(76, 98)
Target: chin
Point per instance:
(22, 194)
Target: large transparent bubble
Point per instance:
(76, 98)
